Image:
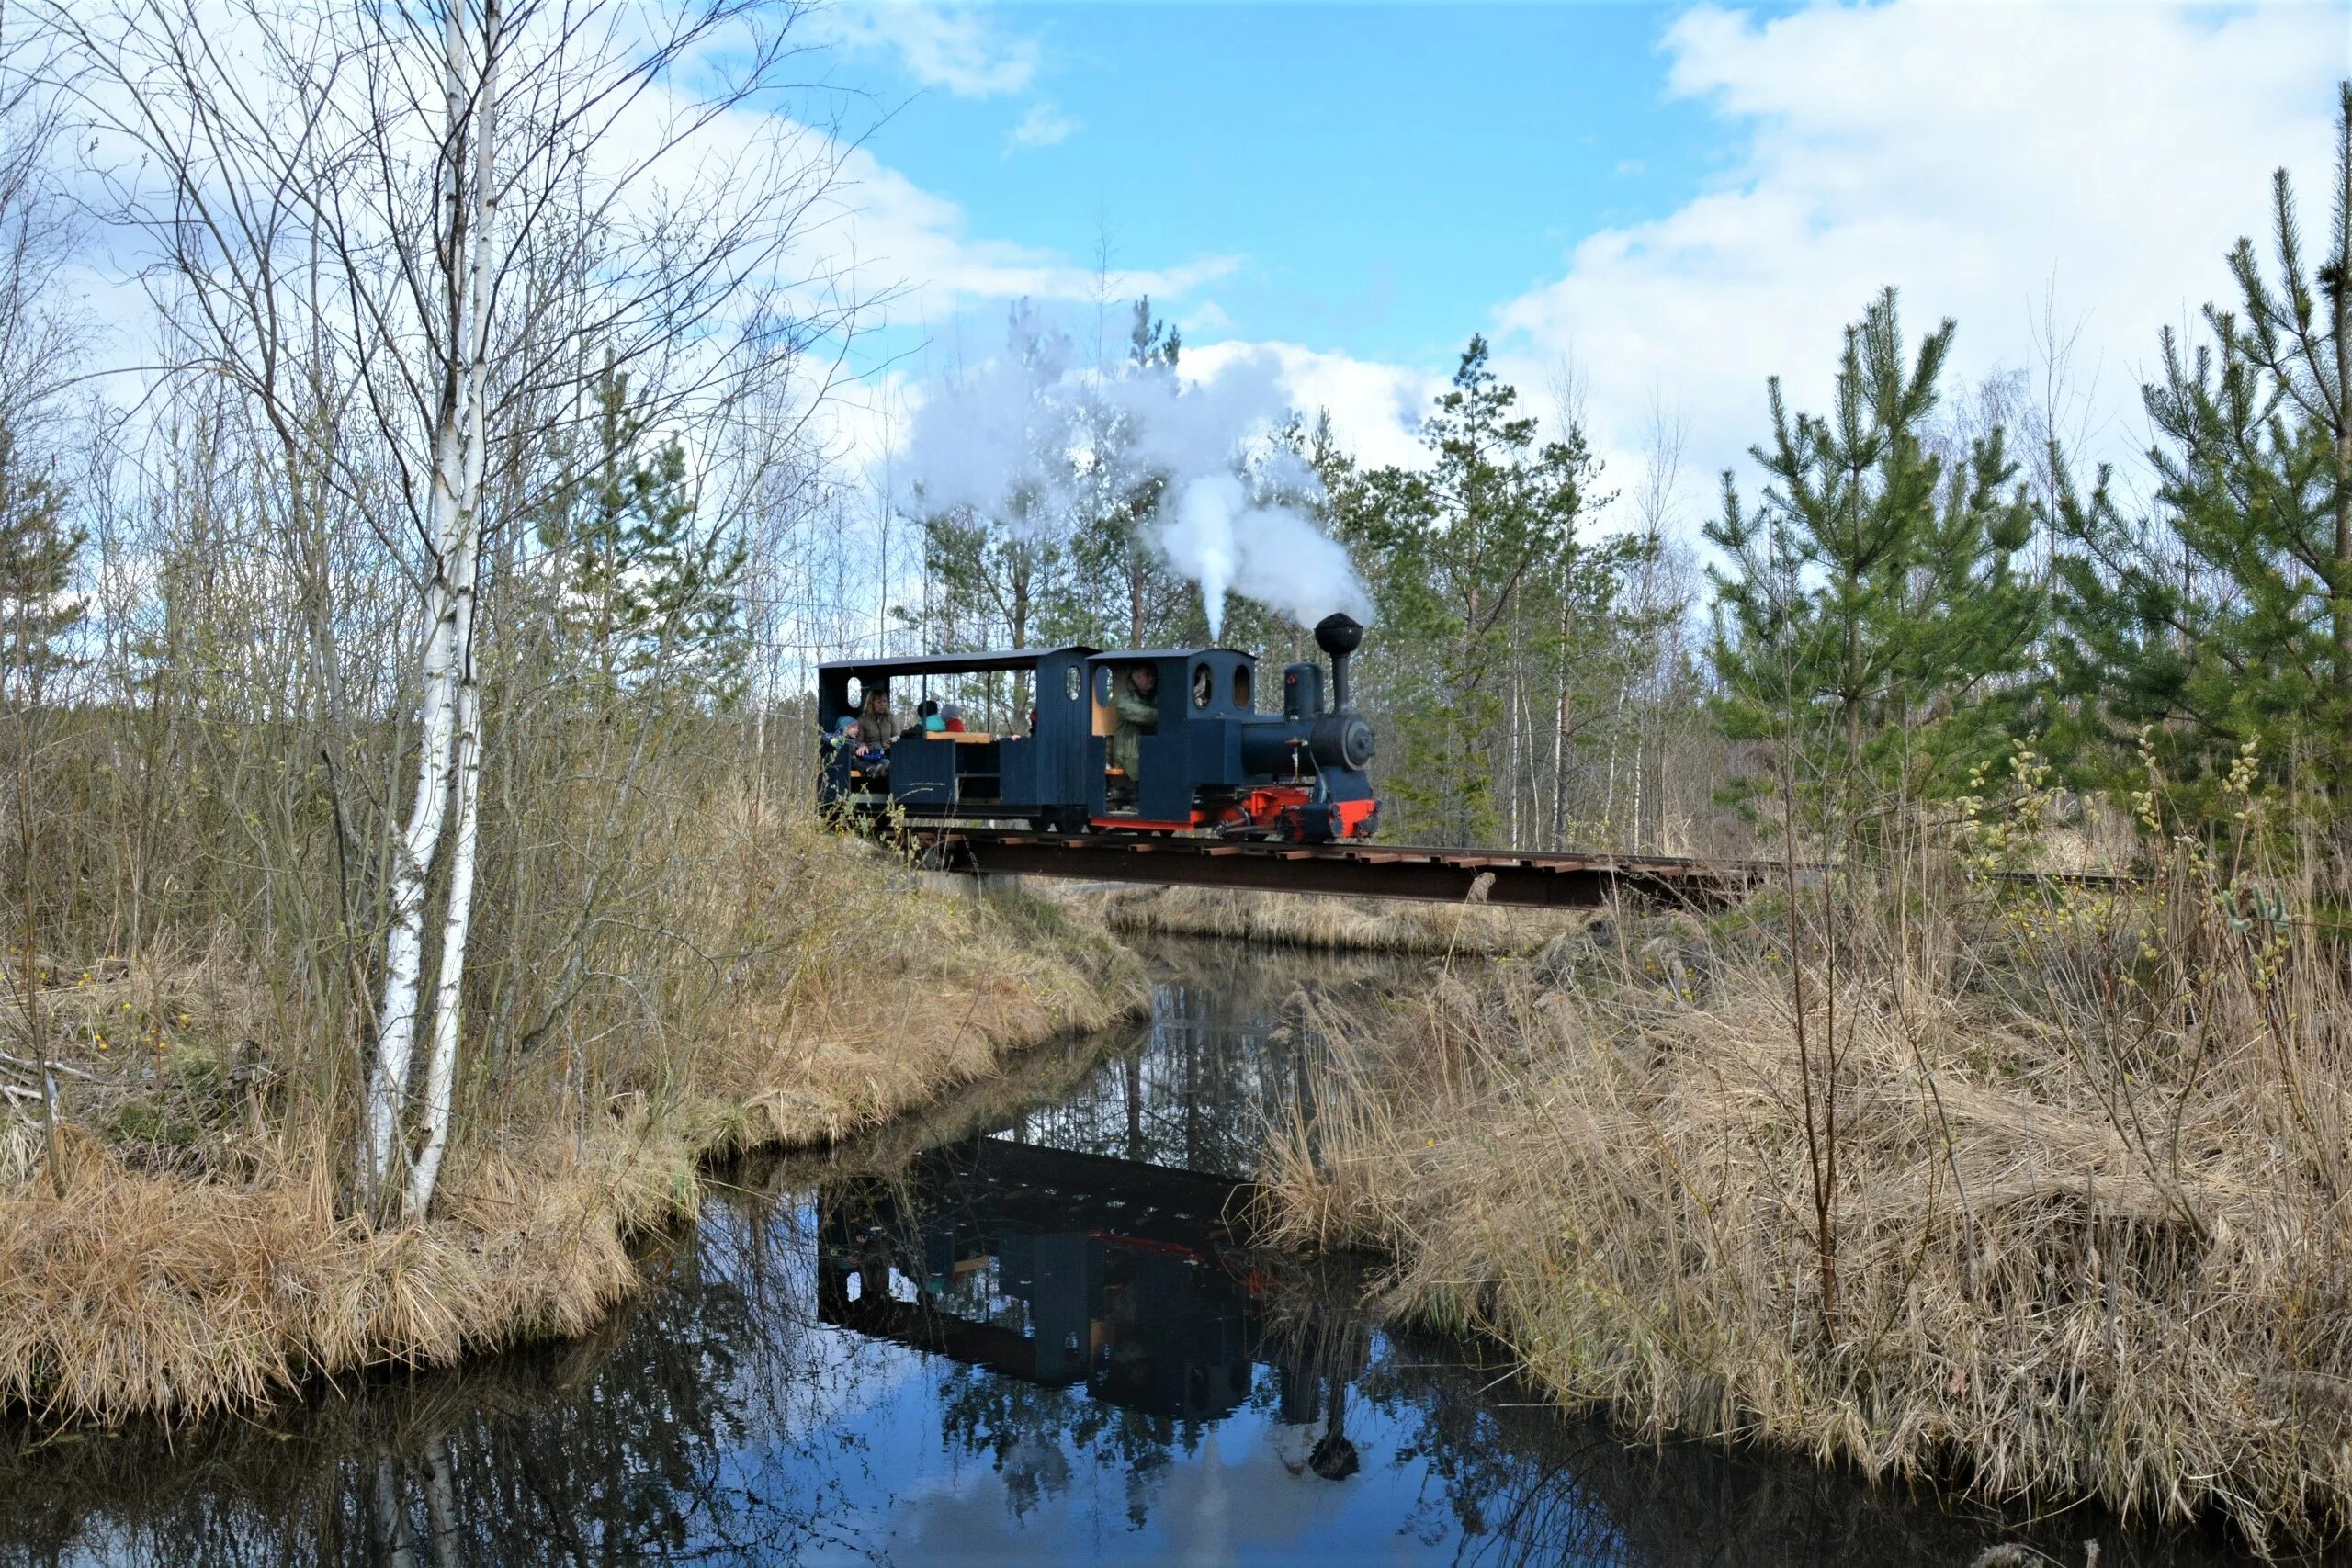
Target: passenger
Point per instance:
(924, 710)
(1136, 708)
(953, 715)
(874, 732)
(874, 718)
(934, 725)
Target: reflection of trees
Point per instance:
(1228, 1046)
(604, 1450)
(1029, 1433)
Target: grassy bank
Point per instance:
(1318, 920)
(190, 1244)
(2039, 1191)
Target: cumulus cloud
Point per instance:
(1043, 126)
(959, 48)
(1979, 158)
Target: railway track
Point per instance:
(1558, 881)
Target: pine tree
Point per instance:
(2225, 618)
(37, 555)
(1871, 614)
(1456, 552)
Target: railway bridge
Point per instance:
(1564, 880)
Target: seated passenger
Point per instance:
(934, 725)
(1136, 709)
(953, 716)
(923, 712)
(874, 729)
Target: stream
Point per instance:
(1018, 1329)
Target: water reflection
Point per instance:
(1026, 1332)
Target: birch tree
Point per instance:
(464, 213)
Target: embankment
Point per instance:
(201, 1253)
(2041, 1192)
(1368, 925)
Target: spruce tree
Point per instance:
(2225, 616)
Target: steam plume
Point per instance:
(1030, 443)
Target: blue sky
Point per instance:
(1655, 205)
(1379, 174)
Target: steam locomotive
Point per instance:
(1209, 761)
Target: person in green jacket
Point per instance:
(1136, 708)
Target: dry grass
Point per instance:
(1317, 921)
(203, 1255)
(2085, 1235)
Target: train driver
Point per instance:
(1137, 710)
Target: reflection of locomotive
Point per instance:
(1054, 1268)
(1208, 761)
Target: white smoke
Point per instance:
(1221, 539)
(1029, 443)
(996, 440)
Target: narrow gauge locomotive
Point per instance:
(1209, 761)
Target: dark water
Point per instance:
(1020, 1332)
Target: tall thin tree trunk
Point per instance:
(450, 707)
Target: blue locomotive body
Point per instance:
(1206, 760)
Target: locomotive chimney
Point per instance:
(1339, 636)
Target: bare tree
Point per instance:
(440, 223)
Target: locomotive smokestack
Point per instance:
(1339, 636)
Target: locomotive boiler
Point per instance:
(1104, 749)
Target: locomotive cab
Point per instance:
(1208, 761)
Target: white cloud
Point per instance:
(1043, 126)
(959, 48)
(1977, 157)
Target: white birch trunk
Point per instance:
(449, 761)
(420, 840)
(441, 1067)
(457, 922)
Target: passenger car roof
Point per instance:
(952, 663)
(1136, 655)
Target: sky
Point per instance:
(1648, 209)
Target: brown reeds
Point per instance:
(205, 1255)
(2088, 1211)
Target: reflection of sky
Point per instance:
(1241, 1494)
